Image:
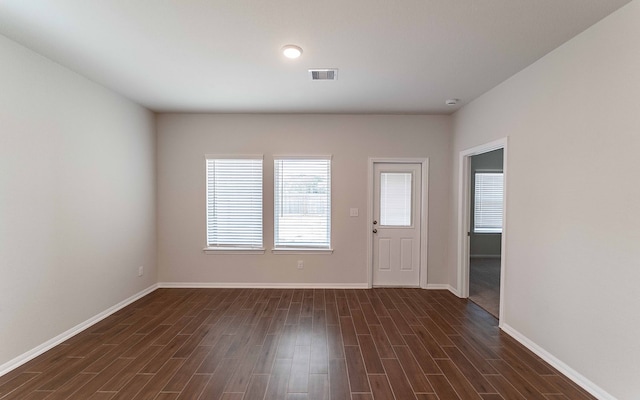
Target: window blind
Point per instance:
(302, 202)
(489, 194)
(234, 202)
(395, 198)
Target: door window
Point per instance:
(395, 198)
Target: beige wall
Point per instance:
(77, 200)
(573, 220)
(184, 139)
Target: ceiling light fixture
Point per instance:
(292, 51)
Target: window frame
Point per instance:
(303, 248)
(232, 249)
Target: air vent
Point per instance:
(324, 74)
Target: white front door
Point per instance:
(396, 224)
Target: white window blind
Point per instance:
(234, 203)
(395, 198)
(302, 202)
(489, 194)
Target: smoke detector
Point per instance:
(452, 102)
(323, 74)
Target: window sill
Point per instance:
(232, 250)
(302, 250)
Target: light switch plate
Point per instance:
(353, 212)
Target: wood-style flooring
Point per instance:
(288, 344)
(484, 283)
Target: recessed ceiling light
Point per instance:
(452, 102)
(292, 51)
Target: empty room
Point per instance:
(244, 200)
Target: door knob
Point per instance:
(375, 231)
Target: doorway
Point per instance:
(486, 191)
(481, 232)
(397, 223)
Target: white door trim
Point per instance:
(424, 202)
(464, 215)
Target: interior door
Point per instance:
(486, 210)
(396, 224)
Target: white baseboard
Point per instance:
(49, 344)
(454, 291)
(569, 372)
(438, 286)
(442, 286)
(249, 285)
(245, 285)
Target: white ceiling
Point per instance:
(394, 56)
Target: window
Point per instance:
(489, 189)
(302, 203)
(395, 198)
(234, 203)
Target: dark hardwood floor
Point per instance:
(484, 283)
(251, 344)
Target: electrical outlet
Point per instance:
(353, 212)
(140, 270)
(300, 264)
